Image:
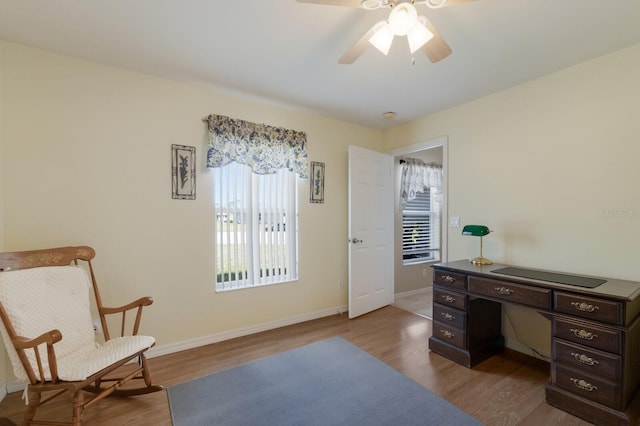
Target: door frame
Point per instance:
(443, 142)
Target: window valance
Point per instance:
(416, 176)
(266, 149)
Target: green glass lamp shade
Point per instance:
(475, 230)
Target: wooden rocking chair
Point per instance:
(49, 336)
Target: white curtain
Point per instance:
(416, 175)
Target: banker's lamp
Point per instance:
(477, 231)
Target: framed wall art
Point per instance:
(316, 182)
(183, 172)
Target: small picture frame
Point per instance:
(183, 172)
(316, 182)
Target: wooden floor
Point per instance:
(507, 389)
(419, 303)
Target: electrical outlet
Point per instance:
(340, 284)
(454, 221)
(97, 327)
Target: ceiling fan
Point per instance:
(403, 21)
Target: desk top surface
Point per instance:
(612, 288)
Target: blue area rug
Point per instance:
(326, 383)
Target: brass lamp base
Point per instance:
(480, 261)
(477, 231)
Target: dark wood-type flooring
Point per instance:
(507, 389)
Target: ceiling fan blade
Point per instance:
(447, 3)
(436, 49)
(455, 2)
(348, 3)
(361, 45)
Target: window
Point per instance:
(256, 227)
(420, 229)
(256, 202)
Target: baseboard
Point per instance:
(412, 292)
(232, 334)
(10, 387)
(15, 385)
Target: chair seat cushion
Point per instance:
(81, 365)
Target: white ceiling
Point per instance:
(287, 52)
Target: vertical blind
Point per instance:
(256, 241)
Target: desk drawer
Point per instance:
(587, 386)
(517, 293)
(450, 298)
(591, 361)
(450, 279)
(588, 334)
(451, 316)
(449, 334)
(591, 308)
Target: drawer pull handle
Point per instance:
(448, 316)
(583, 359)
(504, 291)
(448, 278)
(583, 334)
(448, 334)
(580, 383)
(448, 299)
(584, 307)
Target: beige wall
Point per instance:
(1, 161)
(552, 167)
(87, 161)
(3, 372)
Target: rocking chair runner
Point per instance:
(49, 335)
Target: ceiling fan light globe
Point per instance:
(382, 39)
(435, 4)
(418, 36)
(371, 4)
(403, 18)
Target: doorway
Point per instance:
(413, 280)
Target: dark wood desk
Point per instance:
(595, 341)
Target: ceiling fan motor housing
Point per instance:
(402, 21)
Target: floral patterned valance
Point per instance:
(266, 149)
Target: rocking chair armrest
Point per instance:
(49, 338)
(136, 305)
(143, 301)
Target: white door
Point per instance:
(370, 231)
